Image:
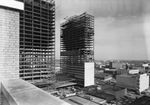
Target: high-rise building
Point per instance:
(37, 40)
(77, 48)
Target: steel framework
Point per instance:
(77, 44)
(37, 40)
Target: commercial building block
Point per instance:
(138, 82)
(116, 91)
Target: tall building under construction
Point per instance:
(77, 48)
(37, 40)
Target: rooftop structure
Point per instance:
(37, 40)
(20, 92)
(77, 48)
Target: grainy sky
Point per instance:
(122, 27)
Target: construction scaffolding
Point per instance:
(37, 40)
(77, 44)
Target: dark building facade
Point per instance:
(77, 46)
(37, 40)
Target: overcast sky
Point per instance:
(122, 27)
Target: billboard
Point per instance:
(88, 73)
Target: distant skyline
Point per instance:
(122, 27)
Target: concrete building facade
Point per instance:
(9, 40)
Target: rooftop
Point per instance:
(103, 95)
(114, 89)
(66, 84)
(101, 75)
(21, 92)
(111, 69)
(131, 75)
(94, 99)
(145, 100)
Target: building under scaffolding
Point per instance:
(37, 40)
(77, 48)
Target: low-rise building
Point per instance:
(115, 72)
(116, 91)
(93, 98)
(117, 65)
(103, 76)
(138, 82)
(134, 71)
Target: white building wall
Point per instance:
(143, 82)
(134, 71)
(88, 73)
